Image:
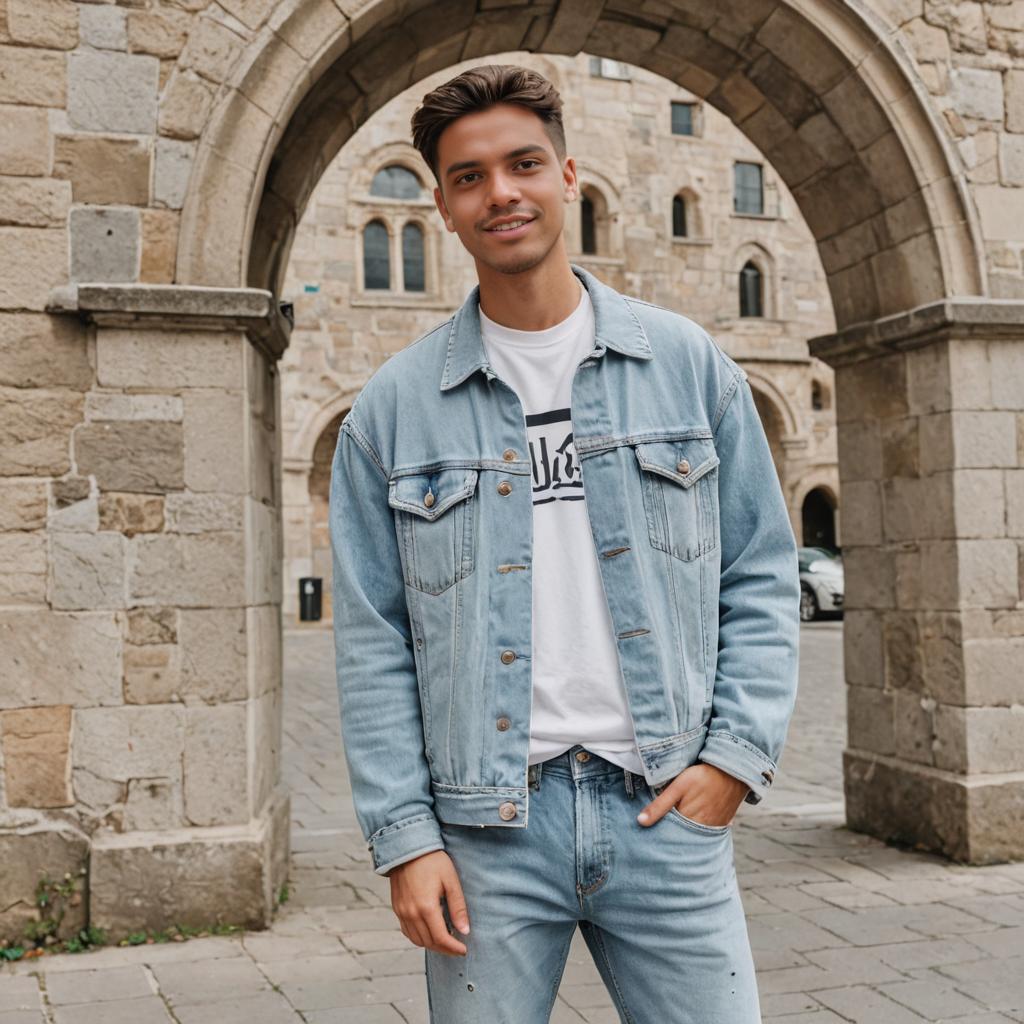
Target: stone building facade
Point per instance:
(155, 159)
(632, 165)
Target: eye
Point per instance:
(528, 160)
(458, 181)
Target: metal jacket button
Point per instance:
(504, 487)
(509, 454)
(428, 499)
(582, 755)
(683, 466)
(503, 724)
(507, 657)
(507, 811)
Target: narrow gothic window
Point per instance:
(413, 273)
(589, 229)
(376, 262)
(679, 217)
(751, 291)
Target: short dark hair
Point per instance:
(477, 89)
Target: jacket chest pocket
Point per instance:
(680, 493)
(436, 520)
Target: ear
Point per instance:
(569, 182)
(443, 210)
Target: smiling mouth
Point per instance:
(514, 228)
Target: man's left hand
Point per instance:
(702, 792)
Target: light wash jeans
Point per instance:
(659, 907)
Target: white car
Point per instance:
(821, 582)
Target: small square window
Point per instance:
(683, 119)
(603, 67)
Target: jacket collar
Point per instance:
(615, 326)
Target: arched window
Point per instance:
(817, 397)
(376, 262)
(413, 274)
(396, 182)
(588, 227)
(678, 217)
(751, 290)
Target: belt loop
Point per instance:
(534, 775)
(629, 783)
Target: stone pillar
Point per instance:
(930, 416)
(140, 706)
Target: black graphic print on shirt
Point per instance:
(556, 473)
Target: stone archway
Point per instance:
(179, 401)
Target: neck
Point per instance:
(533, 300)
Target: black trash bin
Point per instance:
(310, 596)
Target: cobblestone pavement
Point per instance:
(844, 928)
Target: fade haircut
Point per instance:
(477, 89)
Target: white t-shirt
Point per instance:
(578, 691)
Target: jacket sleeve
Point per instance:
(759, 601)
(381, 718)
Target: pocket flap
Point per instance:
(429, 495)
(684, 461)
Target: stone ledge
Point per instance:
(967, 317)
(182, 307)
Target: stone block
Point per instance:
(211, 50)
(104, 244)
(872, 389)
(977, 93)
(40, 264)
(186, 106)
(985, 439)
(34, 202)
(917, 507)
(266, 744)
(926, 575)
(215, 435)
(216, 669)
(131, 513)
(265, 547)
(216, 764)
(36, 427)
(949, 745)
(992, 671)
(870, 578)
(22, 504)
(130, 742)
(106, 406)
(1015, 502)
(159, 246)
(79, 656)
(28, 857)
(173, 167)
(137, 357)
(153, 804)
(863, 657)
(901, 641)
(203, 513)
(1007, 365)
(138, 456)
(938, 453)
(912, 721)
(152, 674)
(113, 92)
(204, 570)
(1011, 159)
(22, 568)
(1000, 209)
(180, 880)
(161, 32)
(37, 78)
(869, 720)
(101, 169)
(859, 444)
(943, 653)
(152, 626)
(861, 505)
(52, 23)
(1013, 82)
(36, 756)
(988, 575)
(103, 27)
(264, 659)
(24, 140)
(71, 511)
(995, 738)
(978, 503)
(87, 570)
(42, 351)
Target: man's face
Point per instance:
(496, 165)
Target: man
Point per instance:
(565, 604)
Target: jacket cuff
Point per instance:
(740, 759)
(404, 840)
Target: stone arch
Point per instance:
(826, 93)
(303, 441)
(782, 404)
(608, 207)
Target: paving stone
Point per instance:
(19, 993)
(866, 1006)
(933, 1002)
(150, 1010)
(211, 982)
(130, 982)
(264, 1008)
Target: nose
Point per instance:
(504, 190)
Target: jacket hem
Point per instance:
(411, 837)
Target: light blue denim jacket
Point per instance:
(431, 529)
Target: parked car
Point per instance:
(821, 583)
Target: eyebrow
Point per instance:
(521, 151)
